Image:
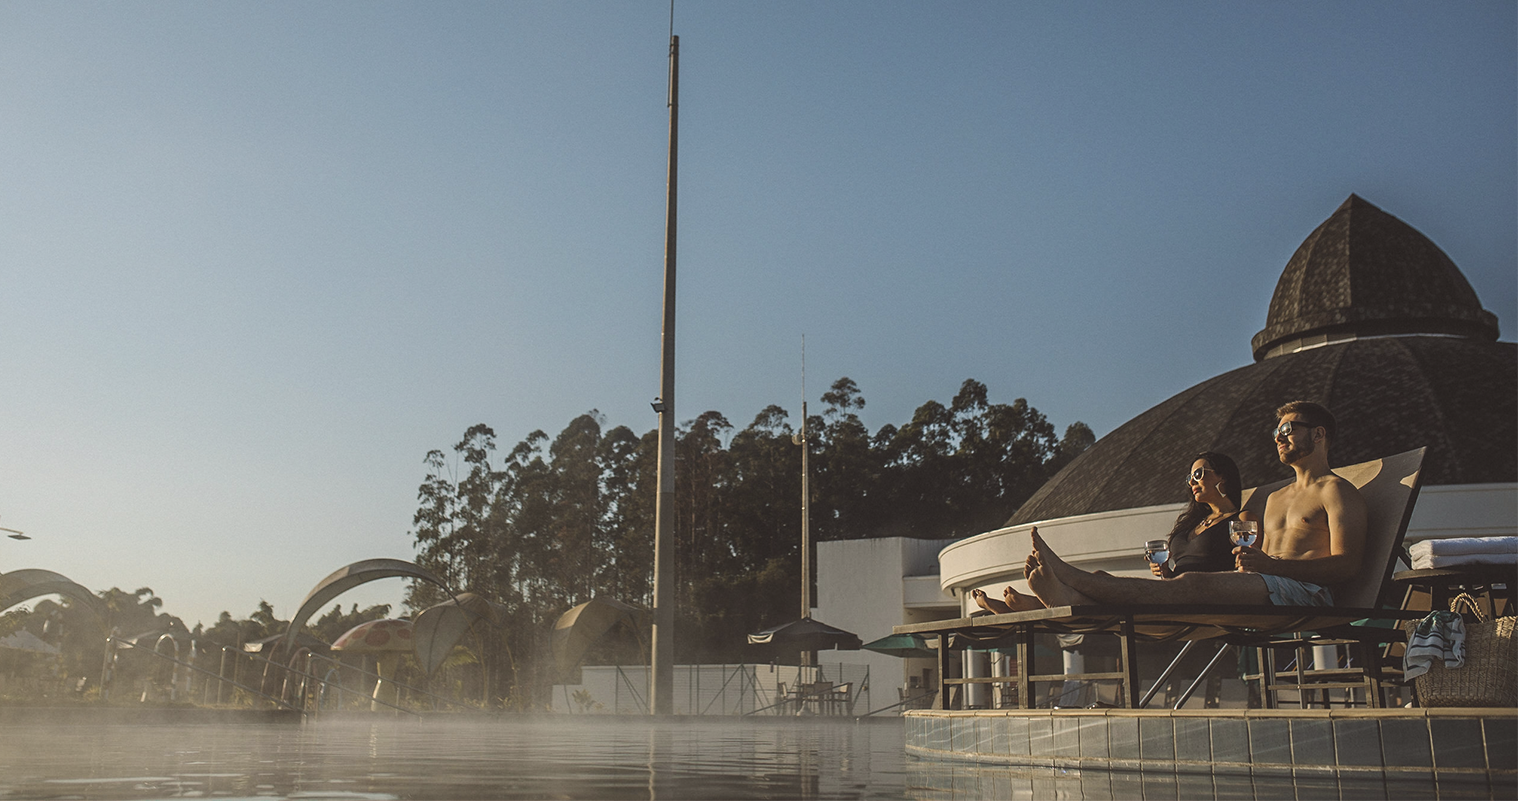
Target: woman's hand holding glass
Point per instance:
(1157, 554)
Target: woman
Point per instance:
(1199, 539)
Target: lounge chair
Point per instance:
(1390, 487)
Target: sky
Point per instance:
(258, 259)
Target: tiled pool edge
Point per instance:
(1393, 743)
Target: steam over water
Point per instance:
(589, 758)
(576, 758)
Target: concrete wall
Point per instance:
(869, 586)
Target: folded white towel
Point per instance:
(1459, 546)
(1438, 637)
(1429, 562)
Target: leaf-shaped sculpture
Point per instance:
(439, 628)
(579, 628)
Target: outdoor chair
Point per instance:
(1390, 487)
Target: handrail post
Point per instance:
(221, 676)
(108, 667)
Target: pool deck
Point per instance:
(1343, 743)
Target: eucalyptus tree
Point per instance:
(559, 522)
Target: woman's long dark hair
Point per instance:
(1196, 511)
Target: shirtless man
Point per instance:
(1313, 538)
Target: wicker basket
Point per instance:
(1490, 674)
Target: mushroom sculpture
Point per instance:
(386, 640)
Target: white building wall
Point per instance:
(868, 587)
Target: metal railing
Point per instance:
(301, 689)
(115, 642)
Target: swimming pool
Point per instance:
(571, 758)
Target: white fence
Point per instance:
(829, 689)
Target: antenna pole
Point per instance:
(661, 689)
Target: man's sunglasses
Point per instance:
(1195, 476)
(1283, 431)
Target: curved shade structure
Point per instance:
(579, 628)
(352, 576)
(19, 586)
(439, 628)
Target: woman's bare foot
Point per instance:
(988, 603)
(1017, 602)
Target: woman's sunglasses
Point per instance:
(1195, 476)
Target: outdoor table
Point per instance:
(1443, 583)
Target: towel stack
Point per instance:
(1459, 551)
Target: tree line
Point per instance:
(554, 523)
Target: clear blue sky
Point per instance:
(257, 259)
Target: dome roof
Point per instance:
(1457, 396)
(1369, 318)
(1364, 272)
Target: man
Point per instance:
(1313, 539)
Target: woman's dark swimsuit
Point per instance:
(1210, 551)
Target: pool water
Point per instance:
(582, 758)
(575, 758)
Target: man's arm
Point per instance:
(1345, 510)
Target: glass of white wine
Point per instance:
(1157, 551)
(1244, 532)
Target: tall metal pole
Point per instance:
(661, 691)
(807, 657)
(806, 498)
(806, 517)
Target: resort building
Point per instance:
(1369, 317)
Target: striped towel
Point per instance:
(1456, 551)
(1440, 636)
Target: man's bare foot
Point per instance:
(988, 603)
(1051, 590)
(1047, 558)
(1018, 602)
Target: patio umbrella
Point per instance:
(806, 634)
(906, 646)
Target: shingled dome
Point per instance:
(1364, 272)
(1371, 319)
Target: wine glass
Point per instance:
(1244, 532)
(1157, 551)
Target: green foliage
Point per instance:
(336, 622)
(556, 523)
(80, 635)
(258, 625)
